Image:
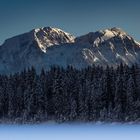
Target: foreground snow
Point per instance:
(70, 132)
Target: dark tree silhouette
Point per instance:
(90, 94)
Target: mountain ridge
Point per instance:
(48, 46)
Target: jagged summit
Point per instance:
(103, 35)
(117, 29)
(45, 37)
(47, 46)
(110, 46)
(48, 36)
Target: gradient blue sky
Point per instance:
(75, 16)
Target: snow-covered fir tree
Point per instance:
(90, 94)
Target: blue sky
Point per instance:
(75, 16)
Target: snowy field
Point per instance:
(70, 132)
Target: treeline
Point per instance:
(62, 95)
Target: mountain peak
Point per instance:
(116, 29)
(103, 35)
(45, 37)
(48, 36)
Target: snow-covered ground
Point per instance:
(70, 132)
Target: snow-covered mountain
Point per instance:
(48, 46)
(110, 47)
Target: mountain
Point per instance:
(49, 46)
(110, 47)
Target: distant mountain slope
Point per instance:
(48, 46)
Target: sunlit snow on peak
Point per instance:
(48, 36)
